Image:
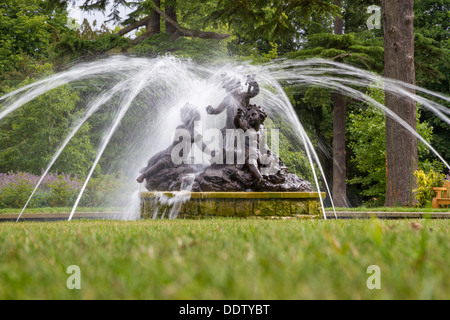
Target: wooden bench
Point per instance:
(442, 196)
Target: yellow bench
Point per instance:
(442, 196)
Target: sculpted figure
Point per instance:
(165, 158)
(257, 153)
(235, 99)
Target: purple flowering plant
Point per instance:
(54, 190)
(60, 190)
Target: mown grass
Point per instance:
(226, 259)
(118, 209)
(59, 210)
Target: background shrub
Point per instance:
(426, 181)
(59, 190)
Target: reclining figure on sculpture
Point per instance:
(165, 159)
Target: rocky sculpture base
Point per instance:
(190, 191)
(223, 178)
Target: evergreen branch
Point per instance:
(189, 32)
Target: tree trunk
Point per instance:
(401, 145)
(151, 22)
(154, 24)
(184, 32)
(339, 153)
(339, 119)
(170, 28)
(338, 21)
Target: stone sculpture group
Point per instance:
(242, 163)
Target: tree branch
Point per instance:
(189, 32)
(133, 26)
(142, 37)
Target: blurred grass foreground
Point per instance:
(226, 259)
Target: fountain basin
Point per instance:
(230, 204)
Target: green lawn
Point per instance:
(118, 209)
(226, 259)
(59, 210)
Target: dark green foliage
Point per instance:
(270, 20)
(200, 50)
(355, 16)
(360, 49)
(28, 31)
(432, 27)
(30, 135)
(77, 47)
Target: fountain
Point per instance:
(244, 176)
(161, 102)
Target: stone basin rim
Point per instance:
(237, 194)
